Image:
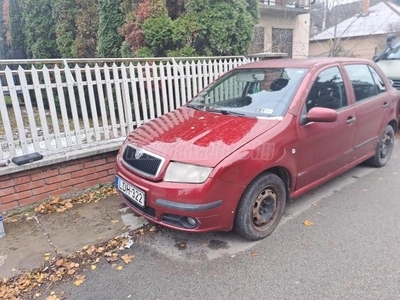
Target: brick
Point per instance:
(69, 169)
(21, 180)
(62, 191)
(87, 184)
(46, 188)
(107, 166)
(29, 186)
(83, 172)
(25, 173)
(58, 178)
(96, 175)
(72, 182)
(8, 206)
(14, 197)
(5, 177)
(112, 158)
(94, 163)
(107, 179)
(44, 174)
(111, 172)
(33, 199)
(7, 191)
(5, 183)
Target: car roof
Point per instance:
(307, 63)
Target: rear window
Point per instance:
(362, 80)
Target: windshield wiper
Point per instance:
(196, 106)
(227, 112)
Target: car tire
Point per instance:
(261, 207)
(384, 148)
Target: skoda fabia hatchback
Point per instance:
(259, 135)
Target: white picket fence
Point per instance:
(52, 105)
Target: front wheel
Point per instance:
(384, 148)
(261, 207)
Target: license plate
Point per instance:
(131, 191)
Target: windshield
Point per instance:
(394, 53)
(264, 92)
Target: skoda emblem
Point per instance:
(138, 153)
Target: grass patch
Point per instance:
(7, 98)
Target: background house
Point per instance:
(362, 35)
(284, 27)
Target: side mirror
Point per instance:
(389, 40)
(321, 114)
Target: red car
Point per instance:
(259, 135)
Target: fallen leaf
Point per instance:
(153, 228)
(93, 267)
(114, 221)
(308, 223)
(314, 204)
(127, 258)
(78, 282)
(182, 245)
(71, 272)
(254, 253)
(52, 297)
(119, 268)
(46, 258)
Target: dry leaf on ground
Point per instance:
(308, 223)
(127, 258)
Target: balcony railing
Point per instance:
(284, 4)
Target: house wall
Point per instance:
(35, 185)
(363, 47)
(299, 23)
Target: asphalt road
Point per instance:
(352, 251)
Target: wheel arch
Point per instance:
(283, 174)
(395, 125)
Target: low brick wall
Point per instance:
(62, 178)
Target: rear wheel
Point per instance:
(384, 148)
(261, 207)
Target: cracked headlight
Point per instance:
(186, 173)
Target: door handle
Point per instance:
(350, 120)
(385, 105)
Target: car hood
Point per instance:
(198, 137)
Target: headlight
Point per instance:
(180, 172)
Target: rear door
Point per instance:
(325, 147)
(371, 106)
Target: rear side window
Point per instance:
(363, 83)
(327, 91)
(380, 85)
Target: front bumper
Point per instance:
(212, 204)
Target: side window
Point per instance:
(327, 91)
(380, 85)
(363, 84)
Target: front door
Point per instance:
(325, 147)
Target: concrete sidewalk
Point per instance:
(27, 241)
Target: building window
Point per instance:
(282, 41)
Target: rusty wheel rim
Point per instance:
(386, 145)
(264, 208)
